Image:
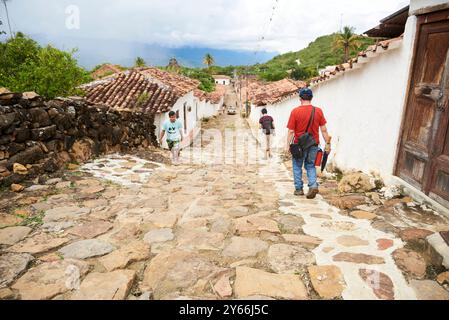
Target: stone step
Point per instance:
(437, 250)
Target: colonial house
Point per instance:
(223, 80)
(150, 90)
(279, 98)
(210, 104)
(388, 108)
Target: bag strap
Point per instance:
(311, 119)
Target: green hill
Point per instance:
(317, 55)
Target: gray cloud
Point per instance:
(222, 24)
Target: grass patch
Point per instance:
(33, 221)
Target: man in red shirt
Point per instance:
(297, 125)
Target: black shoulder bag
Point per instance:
(305, 142)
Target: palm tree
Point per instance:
(208, 60)
(7, 17)
(346, 40)
(140, 62)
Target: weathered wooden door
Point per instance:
(423, 158)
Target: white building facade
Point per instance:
(366, 105)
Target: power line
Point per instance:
(267, 26)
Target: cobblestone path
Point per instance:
(122, 227)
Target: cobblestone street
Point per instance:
(122, 227)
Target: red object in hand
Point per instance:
(319, 158)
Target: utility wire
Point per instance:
(7, 17)
(267, 26)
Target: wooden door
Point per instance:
(423, 158)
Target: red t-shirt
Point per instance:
(299, 118)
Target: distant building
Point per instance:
(223, 80)
(173, 65)
(105, 70)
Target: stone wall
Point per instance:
(38, 136)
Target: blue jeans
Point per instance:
(309, 163)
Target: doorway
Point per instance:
(423, 159)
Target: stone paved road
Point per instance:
(126, 228)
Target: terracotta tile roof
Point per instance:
(213, 97)
(358, 61)
(122, 91)
(200, 94)
(106, 70)
(274, 92)
(178, 83)
(221, 77)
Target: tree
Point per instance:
(48, 71)
(140, 62)
(15, 53)
(54, 73)
(208, 60)
(302, 73)
(346, 40)
(7, 17)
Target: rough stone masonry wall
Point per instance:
(45, 135)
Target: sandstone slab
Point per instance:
(429, 290)
(8, 220)
(12, 265)
(363, 215)
(328, 281)
(358, 258)
(162, 220)
(86, 249)
(253, 282)
(159, 235)
(48, 280)
(411, 262)
(175, 270)
(12, 235)
(287, 259)
(6, 294)
(244, 247)
(255, 224)
(384, 244)
(39, 243)
(120, 259)
(352, 241)
(347, 202)
(91, 229)
(200, 240)
(443, 278)
(291, 224)
(105, 286)
(413, 234)
(381, 284)
(339, 226)
(307, 241)
(15, 187)
(223, 287)
(65, 213)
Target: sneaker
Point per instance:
(312, 193)
(299, 192)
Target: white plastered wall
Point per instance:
(364, 109)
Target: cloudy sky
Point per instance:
(218, 24)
